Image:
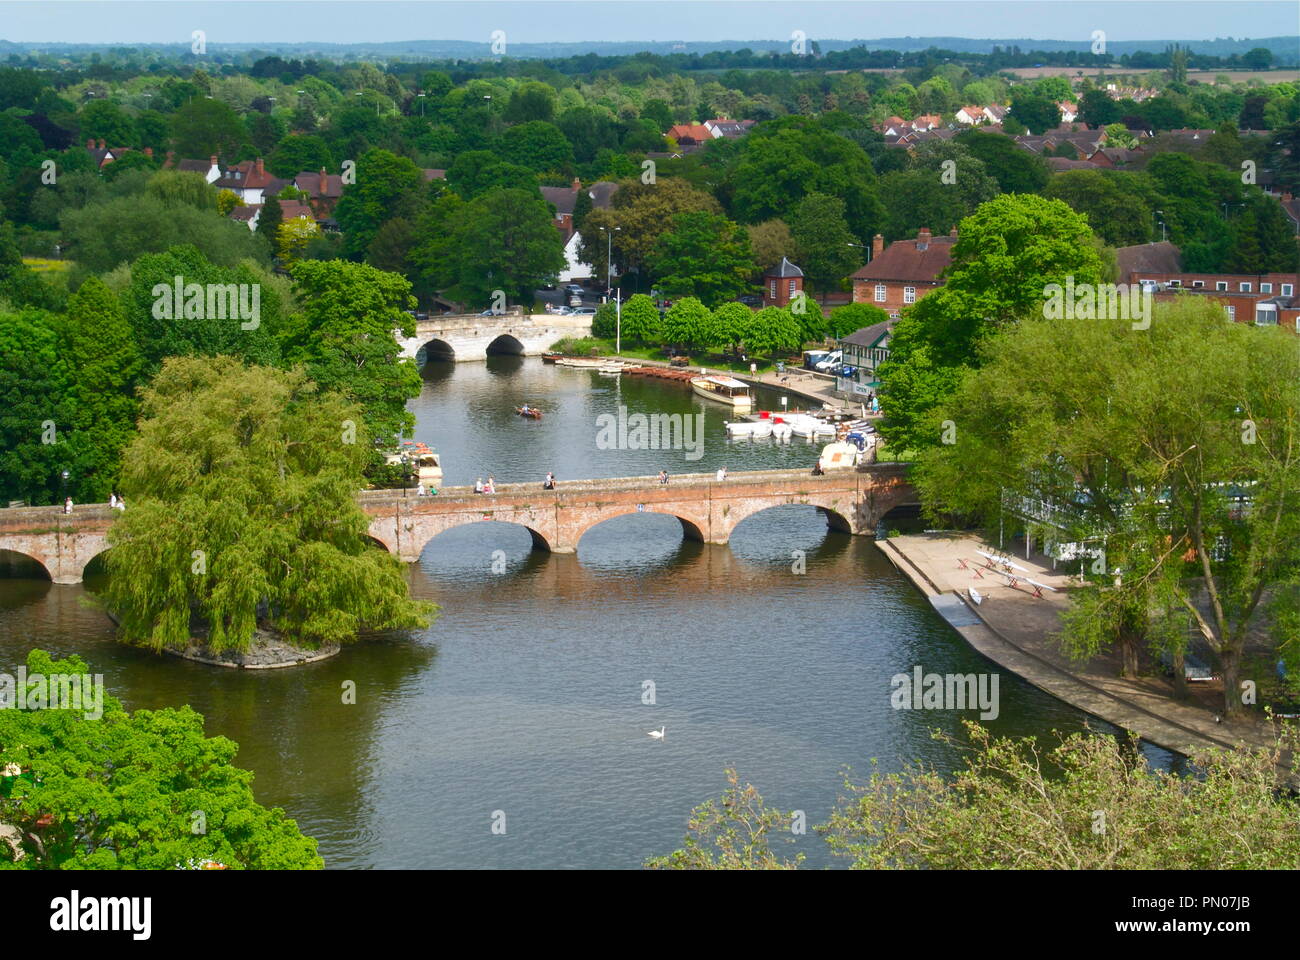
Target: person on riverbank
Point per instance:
(67, 504)
(478, 485)
(112, 501)
(722, 474)
(121, 504)
(663, 477)
(419, 489)
(549, 482)
(490, 486)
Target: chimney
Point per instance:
(260, 172)
(923, 238)
(577, 184)
(212, 162)
(877, 246)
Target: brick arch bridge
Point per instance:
(470, 336)
(854, 501)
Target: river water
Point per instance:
(523, 703)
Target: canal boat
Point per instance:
(723, 389)
(424, 459)
(530, 412)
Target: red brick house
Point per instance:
(904, 272)
(782, 284)
(323, 191)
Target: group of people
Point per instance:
(549, 482)
(489, 487)
(116, 502)
(422, 491)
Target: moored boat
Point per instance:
(723, 389)
(425, 460)
(531, 412)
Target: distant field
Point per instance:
(1205, 76)
(41, 265)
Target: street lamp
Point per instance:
(420, 97)
(1161, 213)
(618, 308)
(861, 246)
(63, 489)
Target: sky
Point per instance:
(538, 21)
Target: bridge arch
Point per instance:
(838, 515)
(692, 527)
(506, 345)
(434, 349)
(24, 565)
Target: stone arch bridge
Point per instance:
(853, 501)
(472, 336)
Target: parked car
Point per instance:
(750, 300)
(574, 289)
(813, 357)
(584, 311)
(830, 362)
(575, 301)
(490, 312)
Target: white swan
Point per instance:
(657, 734)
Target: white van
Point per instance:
(836, 359)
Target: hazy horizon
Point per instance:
(631, 21)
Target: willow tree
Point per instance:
(242, 514)
(1175, 449)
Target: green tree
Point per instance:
(386, 186)
(34, 383)
(1037, 112)
(1015, 169)
(344, 337)
(689, 323)
(704, 255)
(204, 128)
(269, 221)
(1015, 804)
(1144, 454)
(1120, 216)
(537, 145)
(853, 317)
(104, 120)
(531, 100)
(504, 240)
(823, 241)
(118, 791)
(1006, 255)
(175, 188)
(733, 834)
(105, 367)
(640, 319)
(641, 213)
(783, 161)
(731, 324)
(257, 470)
(299, 153)
(774, 330)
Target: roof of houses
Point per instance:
(723, 127)
(784, 269)
(602, 193)
(1120, 156)
(921, 260)
(997, 111)
(250, 175)
(433, 173)
(562, 198)
(295, 208)
(193, 166)
(690, 131)
(1065, 163)
(1163, 257)
(245, 212)
(869, 336)
(1292, 208)
(320, 185)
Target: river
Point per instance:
(524, 700)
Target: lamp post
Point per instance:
(618, 309)
(63, 489)
(420, 97)
(862, 246)
(1161, 213)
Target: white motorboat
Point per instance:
(749, 428)
(726, 390)
(782, 431)
(809, 426)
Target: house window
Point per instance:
(1220, 284)
(1175, 283)
(909, 294)
(1266, 288)
(1265, 315)
(1198, 284)
(792, 285)
(772, 295)
(880, 293)
(1286, 289)
(1232, 313)
(1243, 287)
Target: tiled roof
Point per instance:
(562, 198)
(1065, 163)
(868, 336)
(784, 269)
(1163, 257)
(601, 193)
(310, 181)
(693, 131)
(902, 260)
